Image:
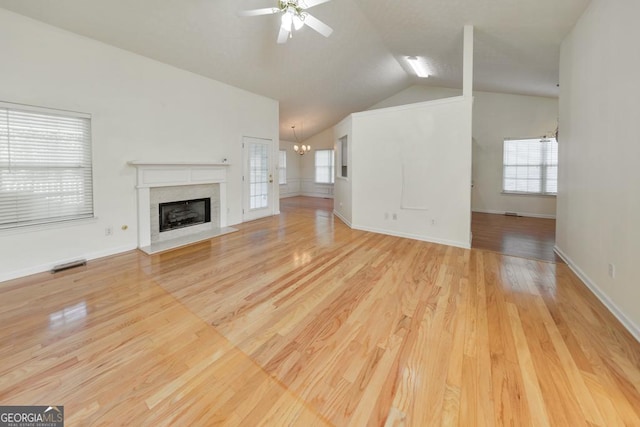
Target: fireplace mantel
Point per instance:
(153, 174)
(153, 163)
(164, 174)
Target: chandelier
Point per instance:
(299, 148)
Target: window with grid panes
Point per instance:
(530, 166)
(45, 166)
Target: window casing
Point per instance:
(282, 167)
(45, 166)
(530, 166)
(324, 165)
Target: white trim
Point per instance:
(29, 228)
(522, 193)
(48, 266)
(46, 110)
(310, 188)
(342, 218)
(603, 297)
(527, 214)
(291, 188)
(154, 163)
(171, 174)
(463, 245)
(467, 61)
(317, 195)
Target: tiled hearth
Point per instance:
(168, 182)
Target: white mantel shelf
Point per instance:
(149, 163)
(164, 174)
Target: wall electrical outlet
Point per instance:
(108, 231)
(395, 216)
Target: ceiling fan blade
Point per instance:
(258, 12)
(318, 25)
(306, 4)
(283, 35)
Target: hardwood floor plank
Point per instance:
(299, 320)
(532, 391)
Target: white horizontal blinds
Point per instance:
(45, 166)
(550, 167)
(530, 166)
(324, 166)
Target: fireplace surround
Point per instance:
(160, 183)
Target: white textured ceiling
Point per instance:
(318, 80)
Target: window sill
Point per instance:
(47, 226)
(516, 193)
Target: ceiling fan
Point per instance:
(294, 16)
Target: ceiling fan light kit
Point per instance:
(294, 17)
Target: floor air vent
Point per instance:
(69, 265)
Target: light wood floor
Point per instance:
(515, 235)
(299, 320)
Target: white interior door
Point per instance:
(258, 178)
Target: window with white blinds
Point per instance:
(45, 166)
(324, 166)
(282, 167)
(530, 166)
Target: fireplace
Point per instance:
(182, 210)
(186, 183)
(184, 213)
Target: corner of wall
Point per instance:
(603, 297)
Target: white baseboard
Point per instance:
(318, 195)
(603, 297)
(342, 218)
(47, 267)
(463, 245)
(527, 214)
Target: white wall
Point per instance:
(141, 109)
(598, 220)
(412, 171)
(293, 187)
(495, 116)
(342, 198)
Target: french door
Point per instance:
(258, 178)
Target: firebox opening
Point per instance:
(184, 213)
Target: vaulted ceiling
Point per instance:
(318, 81)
